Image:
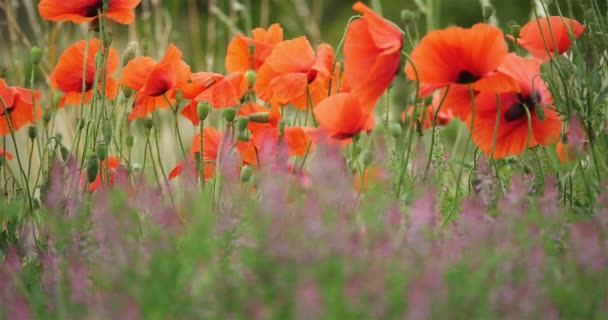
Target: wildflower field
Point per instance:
(198, 160)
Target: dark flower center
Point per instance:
(465, 77)
(93, 10)
(517, 110)
(9, 110)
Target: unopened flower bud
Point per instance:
(36, 55)
(65, 153)
(243, 137)
(408, 16)
(203, 109)
(92, 167)
(260, 117)
(47, 115)
(149, 123)
(515, 29)
(57, 95)
(251, 77)
(539, 111)
(241, 124)
(246, 173)
(107, 39)
(395, 130)
(487, 12)
(102, 151)
(81, 124)
(367, 157)
(129, 53)
(127, 92)
(129, 141)
(32, 132)
(229, 114)
(179, 96)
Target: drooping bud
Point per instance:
(32, 132)
(102, 151)
(129, 53)
(395, 130)
(246, 173)
(36, 55)
(408, 16)
(539, 111)
(203, 109)
(251, 77)
(367, 157)
(92, 167)
(229, 114)
(260, 117)
(488, 12)
(241, 124)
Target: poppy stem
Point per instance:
(202, 143)
(494, 137)
(435, 116)
(176, 123)
(160, 162)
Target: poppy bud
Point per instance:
(281, 127)
(229, 114)
(46, 116)
(203, 109)
(107, 134)
(540, 111)
(65, 153)
(81, 124)
(260, 117)
(127, 92)
(243, 137)
(408, 16)
(36, 55)
(32, 132)
(246, 173)
(251, 77)
(149, 123)
(57, 95)
(487, 12)
(129, 53)
(129, 141)
(515, 29)
(367, 157)
(241, 124)
(92, 167)
(3, 71)
(107, 39)
(102, 151)
(179, 96)
(395, 130)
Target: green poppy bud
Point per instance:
(3, 71)
(149, 123)
(65, 153)
(395, 130)
(32, 132)
(540, 111)
(260, 117)
(243, 137)
(246, 173)
(81, 124)
(408, 16)
(241, 124)
(229, 114)
(107, 134)
(36, 55)
(92, 167)
(129, 141)
(367, 157)
(251, 77)
(107, 39)
(515, 29)
(57, 95)
(487, 12)
(203, 109)
(47, 115)
(129, 53)
(102, 151)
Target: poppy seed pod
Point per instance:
(246, 173)
(260, 117)
(395, 130)
(36, 55)
(229, 114)
(32, 132)
(129, 53)
(251, 77)
(92, 167)
(203, 109)
(102, 151)
(515, 29)
(241, 124)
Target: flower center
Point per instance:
(93, 10)
(517, 110)
(465, 77)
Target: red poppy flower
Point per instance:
(155, 82)
(239, 57)
(17, 107)
(5, 154)
(458, 57)
(218, 90)
(512, 133)
(343, 116)
(291, 70)
(545, 36)
(372, 54)
(67, 75)
(108, 170)
(573, 143)
(211, 142)
(79, 11)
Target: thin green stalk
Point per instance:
(428, 162)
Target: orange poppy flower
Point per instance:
(460, 57)
(546, 36)
(239, 57)
(293, 68)
(5, 154)
(342, 116)
(155, 82)
(443, 117)
(218, 90)
(79, 11)
(67, 75)
(372, 54)
(512, 133)
(211, 142)
(573, 143)
(17, 107)
(108, 169)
